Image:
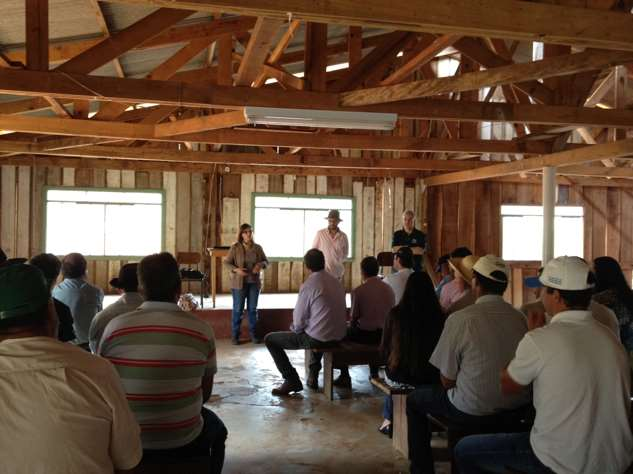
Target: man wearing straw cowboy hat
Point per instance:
(333, 242)
(459, 295)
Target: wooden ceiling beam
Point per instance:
(105, 29)
(145, 131)
(256, 159)
(420, 59)
(514, 19)
(69, 87)
(201, 124)
(549, 67)
(123, 41)
(564, 158)
(257, 50)
(476, 50)
(276, 54)
(37, 34)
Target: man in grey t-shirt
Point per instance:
(476, 344)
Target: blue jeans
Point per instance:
(498, 453)
(249, 294)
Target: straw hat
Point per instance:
(463, 267)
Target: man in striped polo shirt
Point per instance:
(166, 360)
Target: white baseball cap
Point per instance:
(566, 273)
(488, 264)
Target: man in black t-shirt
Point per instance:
(410, 237)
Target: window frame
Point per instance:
(161, 191)
(501, 216)
(352, 238)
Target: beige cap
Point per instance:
(463, 267)
(566, 273)
(488, 264)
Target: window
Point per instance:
(522, 232)
(285, 226)
(103, 223)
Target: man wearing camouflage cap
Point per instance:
(64, 410)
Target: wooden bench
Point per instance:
(399, 424)
(456, 431)
(343, 354)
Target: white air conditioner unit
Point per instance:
(320, 118)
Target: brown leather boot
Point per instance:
(287, 387)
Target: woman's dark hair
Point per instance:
(50, 266)
(416, 318)
(243, 227)
(609, 276)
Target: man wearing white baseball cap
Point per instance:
(476, 344)
(580, 376)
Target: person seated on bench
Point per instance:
(454, 289)
(463, 271)
(412, 330)
(403, 264)
(371, 302)
(63, 409)
(580, 375)
(318, 322)
(476, 343)
(166, 359)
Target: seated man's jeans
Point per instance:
(277, 342)
(433, 399)
(249, 294)
(210, 442)
(497, 453)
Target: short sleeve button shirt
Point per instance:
(581, 383)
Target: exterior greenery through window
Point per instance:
(522, 232)
(285, 225)
(103, 222)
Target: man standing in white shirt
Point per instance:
(333, 242)
(580, 378)
(403, 264)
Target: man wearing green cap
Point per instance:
(64, 410)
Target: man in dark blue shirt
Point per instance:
(411, 237)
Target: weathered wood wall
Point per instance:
(469, 214)
(204, 210)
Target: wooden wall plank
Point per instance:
(398, 203)
(357, 189)
(8, 210)
(68, 177)
(197, 213)
(24, 211)
(334, 186)
(128, 179)
(409, 203)
(388, 200)
(261, 183)
(599, 240)
(466, 215)
(142, 180)
(155, 180)
(275, 184)
(614, 217)
(289, 184)
(113, 178)
(626, 228)
(379, 187)
(310, 184)
(247, 188)
(228, 230)
(450, 236)
(300, 185)
(183, 211)
(170, 187)
(321, 185)
(284, 269)
(368, 216)
(54, 176)
(37, 210)
(346, 186)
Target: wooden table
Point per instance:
(215, 253)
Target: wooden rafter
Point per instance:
(257, 50)
(71, 87)
(550, 67)
(277, 52)
(420, 59)
(514, 19)
(105, 29)
(564, 158)
(201, 124)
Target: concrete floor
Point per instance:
(303, 433)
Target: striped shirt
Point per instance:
(476, 343)
(161, 354)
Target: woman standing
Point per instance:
(411, 332)
(613, 291)
(246, 260)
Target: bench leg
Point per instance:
(328, 375)
(306, 362)
(400, 426)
